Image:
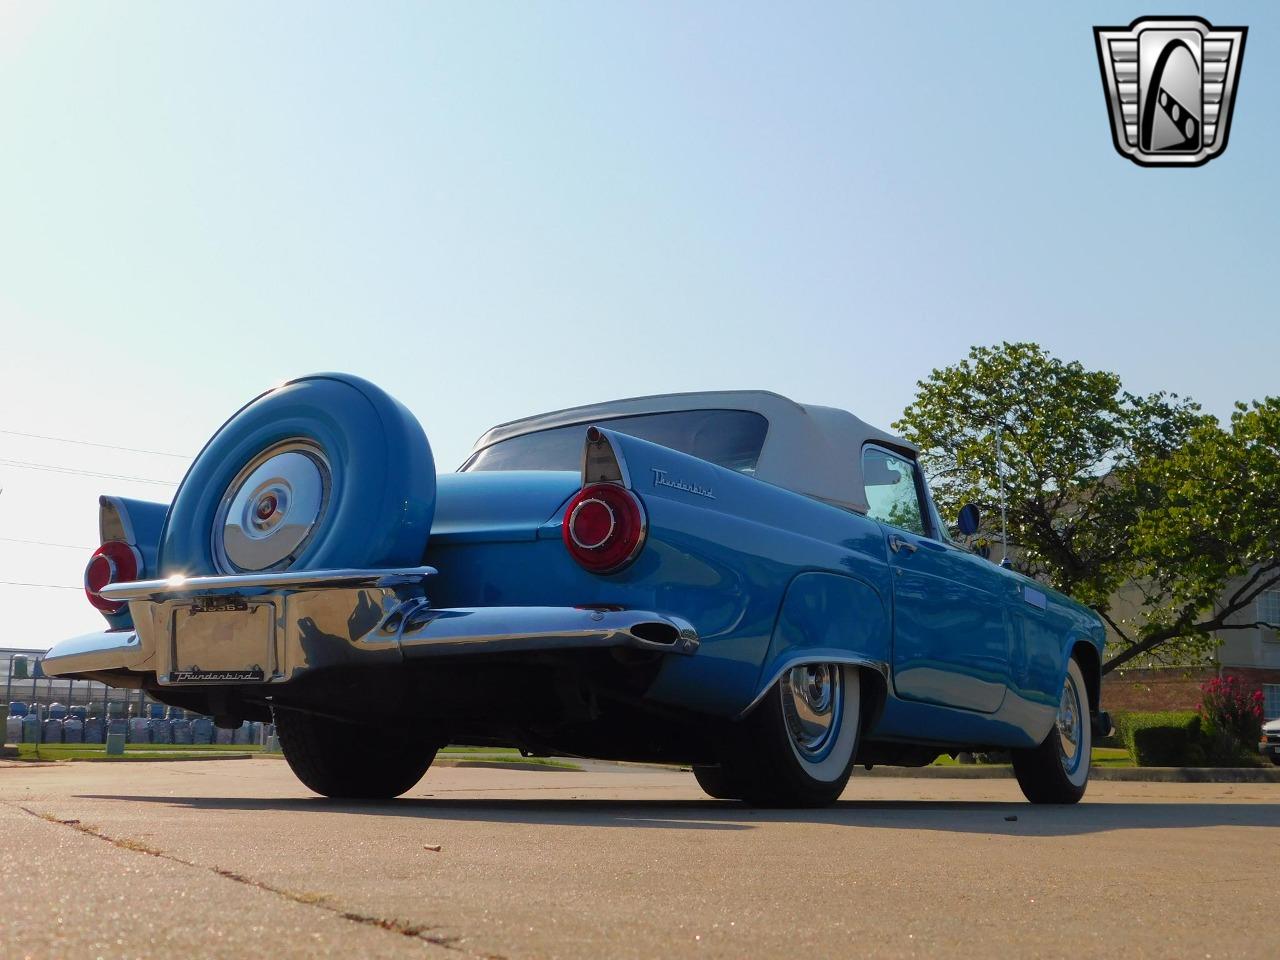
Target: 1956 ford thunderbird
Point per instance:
(758, 588)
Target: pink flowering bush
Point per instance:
(1230, 710)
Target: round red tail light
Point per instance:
(113, 562)
(604, 527)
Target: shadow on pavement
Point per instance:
(946, 816)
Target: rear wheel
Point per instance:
(1057, 771)
(716, 783)
(347, 761)
(796, 748)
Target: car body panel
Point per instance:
(828, 617)
(137, 523)
(498, 506)
(750, 577)
(951, 625)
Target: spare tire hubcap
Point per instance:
(272, 508)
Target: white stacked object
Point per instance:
(202, 730)
(93, 728)
(161, 731)
(51, 731)
(73, 729)
(139, 730)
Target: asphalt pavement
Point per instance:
(235, 858)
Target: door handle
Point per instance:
(897, 544)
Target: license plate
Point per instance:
(228, 642)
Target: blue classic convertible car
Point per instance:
(758, 588)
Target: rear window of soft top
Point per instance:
(727, 438)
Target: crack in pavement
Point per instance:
(416, 931)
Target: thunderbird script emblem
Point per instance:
(1170, 84)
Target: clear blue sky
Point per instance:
(496, 209)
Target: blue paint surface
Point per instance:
(769, 577)
(145, 519)
(969, 653)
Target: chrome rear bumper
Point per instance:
(270, 628)
(94, 653)
(286, 580)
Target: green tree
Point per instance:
(1210, 544)
(1102, 486)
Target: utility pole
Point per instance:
(1004, 502)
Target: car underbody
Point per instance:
(577, 703)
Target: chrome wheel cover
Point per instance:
(1070, 726)
(812, 703)
(273, 507)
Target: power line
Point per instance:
(50, 468)
(91, 443)
(46, 543)
(50, 586)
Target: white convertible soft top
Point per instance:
(812, 450)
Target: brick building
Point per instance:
(1253, 653)
(1250, 653)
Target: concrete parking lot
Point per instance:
(235, 858)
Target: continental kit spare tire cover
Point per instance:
(324, 472)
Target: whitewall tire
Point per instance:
(797, 746)
(1057, 771)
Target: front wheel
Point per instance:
(1057, 771)
(796, 748)
(346, 761)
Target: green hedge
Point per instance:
(1118, 719)
(1168, 739)
(1176, 738)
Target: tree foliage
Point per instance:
(1210, 544)
(1109, 491)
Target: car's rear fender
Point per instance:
(718, 570)
(498, 505)
(829, 618)
(723, 551)
(137, 523)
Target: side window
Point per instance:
(890, 483)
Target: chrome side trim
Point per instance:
(450, 632)
(808, 656)
(280, 580)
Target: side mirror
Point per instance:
(969, 519)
